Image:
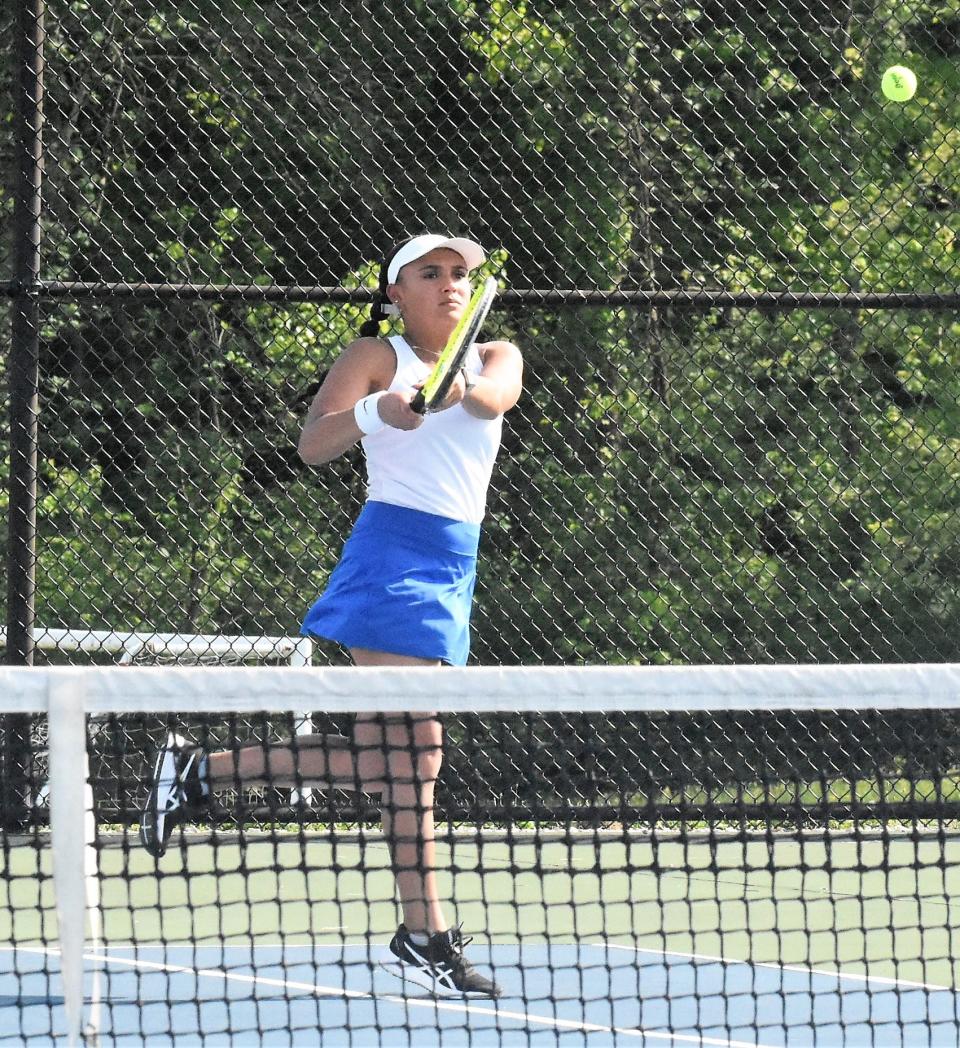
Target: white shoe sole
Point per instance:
(410, 973)
(164, 778)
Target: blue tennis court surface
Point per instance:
(588, 994)
(597, 942)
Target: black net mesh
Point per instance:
(764, 877)
(731, 266)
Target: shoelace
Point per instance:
(458, 942)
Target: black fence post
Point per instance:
(23, 377)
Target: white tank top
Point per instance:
(443, 466)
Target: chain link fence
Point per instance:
(731, 266)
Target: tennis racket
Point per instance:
(461, 339)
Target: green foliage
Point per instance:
(676, 486)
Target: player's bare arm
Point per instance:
(366, 366)
(498, 386)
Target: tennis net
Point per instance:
(656, 855)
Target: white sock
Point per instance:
(419, 938)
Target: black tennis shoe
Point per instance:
(176, 793)
(439, 966)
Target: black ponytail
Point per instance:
(371, 327)
(378, 312)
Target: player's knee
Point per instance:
(417, 767)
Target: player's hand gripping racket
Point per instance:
(461, 339)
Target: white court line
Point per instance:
(850, 976)
(859, 977)
(436, 1005)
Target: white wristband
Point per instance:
(366, 413)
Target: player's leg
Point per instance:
(409, 749)
(320, 760)
(424, 949)
(185, 776)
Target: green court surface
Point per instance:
(878, 907)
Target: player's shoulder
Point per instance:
(368, 347)
(373, 358)
(499, 349)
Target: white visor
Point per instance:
(471, 252)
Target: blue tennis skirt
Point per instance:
(404, 585)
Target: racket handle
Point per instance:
(419, 402)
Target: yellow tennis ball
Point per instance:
(899, 84)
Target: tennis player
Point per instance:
(402, 591)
